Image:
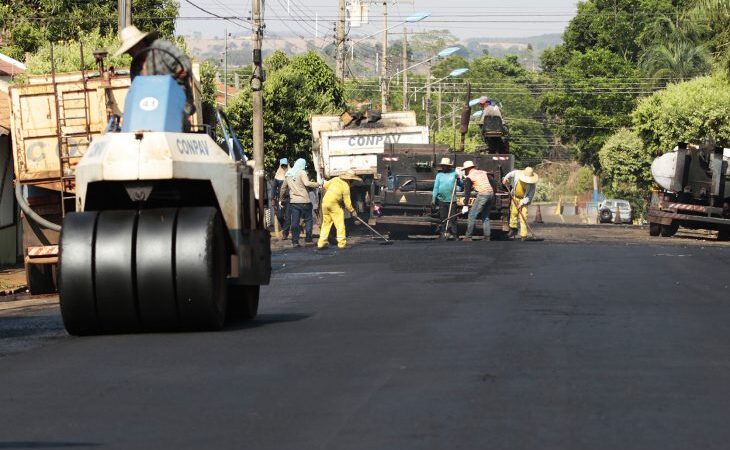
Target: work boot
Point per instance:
(295, 245)
(467, 239)
(512, 233)
(487, 238)
(450, 237)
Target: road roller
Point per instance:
(167, 233)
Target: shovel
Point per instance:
(385, 240)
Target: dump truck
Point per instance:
(168, 232)
(693, 190)
(54, 118)
(355, 141)
(402, 200)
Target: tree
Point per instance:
(685, 112)
(715, 13)
(588, 100)
(35, 22)
(675, 50)
(303, 86)
(625, 162)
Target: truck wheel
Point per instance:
(669, 230)
(200, 268)
(75, 274)
(606, 215)
(243, 302)
(155, 268)
(723, 234)
(654, 229)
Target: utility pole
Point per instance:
(438, 107)
(428, 98)
(225, 70)
(124, 8)
(384, 63)
(340, 69)
(404, 57)
(257, 86)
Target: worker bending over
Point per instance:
(521, 184)
(479, 181)
(337, 193)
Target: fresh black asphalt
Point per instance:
(419, 345)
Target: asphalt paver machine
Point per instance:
(168, 233)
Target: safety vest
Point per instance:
(480, 180)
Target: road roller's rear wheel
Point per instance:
(125, 271)
(243, 302)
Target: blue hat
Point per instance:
(283, 161)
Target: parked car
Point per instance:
(607, 209)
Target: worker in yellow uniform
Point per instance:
(522, 186)
(337, 193)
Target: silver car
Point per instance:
(607, 209)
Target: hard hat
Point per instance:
(131, 36)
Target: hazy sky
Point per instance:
(464, 18)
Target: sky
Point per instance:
(310, 18)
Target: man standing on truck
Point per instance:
(444, 192)
(479, 180)
(153, 56)
(337, 193)
(279, 202)
(297, 183)
(521, 184)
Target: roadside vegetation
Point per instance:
(629, 80)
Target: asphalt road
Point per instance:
(419, 345)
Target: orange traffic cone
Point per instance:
(617, 216)
(538, 215)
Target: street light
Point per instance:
(410, 19)
(445, 53)
(454, 73)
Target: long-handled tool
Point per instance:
(385, 239)
(451, 205)
(533, 237)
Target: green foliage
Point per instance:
(625, 163)
(209, 91)
(304, 86)
(616, 25)
(584, 113)
(35, 22)
(427, 44)
(67, 55)
(675, 50)
(685, 112)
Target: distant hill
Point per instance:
(539, 43)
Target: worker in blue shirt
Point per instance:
(444, 192)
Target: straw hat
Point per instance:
(131, 36)
(445, 162)
(529, 176)
(350, 175)
(468, 165)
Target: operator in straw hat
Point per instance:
(522, 190)
(153, 56)
(444, 194)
